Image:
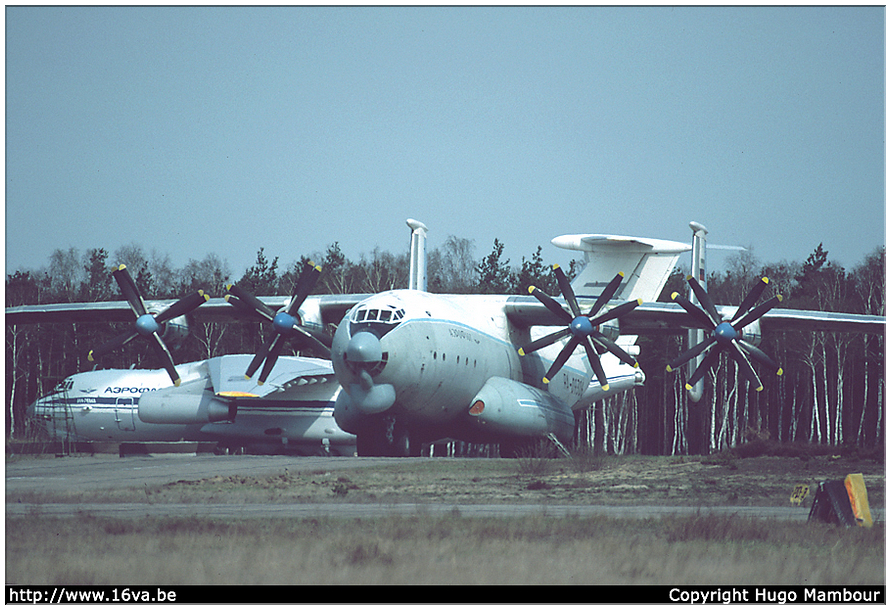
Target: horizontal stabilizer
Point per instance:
(645, 263)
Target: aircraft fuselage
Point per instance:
(104, 405)
(422, 358)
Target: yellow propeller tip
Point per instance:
(640, 301)
(765, 280)
(689, 277)
(620, 274)
(545, 380)
(688, 386)
(605, 388)
(780, 297)
(248, 377)
(779, 371)
(668, 368)
(229, 286)
(521, 352)
(260, 382)
(674, 295)
(176, 382)
(90, 356)
(122, 267)
(555, 266)
(759, 388)
(531, 289)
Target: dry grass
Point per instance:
(440, 550)
(428, 549)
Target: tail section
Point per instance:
(417, 271)
(646, 264)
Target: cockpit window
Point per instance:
(375, 318)
(64, 386)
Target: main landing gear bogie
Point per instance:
(388, 437)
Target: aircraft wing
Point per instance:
(649, 318)
(331, 308)
(290, 374)
(653, 318)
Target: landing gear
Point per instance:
(387, 437)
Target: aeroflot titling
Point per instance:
(126, 390)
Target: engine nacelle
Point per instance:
(752, 333)
(504, 407)
(191, 403)
(611, 329)
(173, 331)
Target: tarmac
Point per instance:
(104, 472)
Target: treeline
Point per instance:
(832, 391)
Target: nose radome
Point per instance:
(364, 348)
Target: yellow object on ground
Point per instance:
(859, 504)
(799, 494)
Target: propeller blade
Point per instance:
(562, 357)
(760, 356)
(757, 312)
(259, 358)
(241, 305)
(309, 338)
(304, 286)
(166, 359)
(745, 364)
(566, 291)
(708, 362)
(116, 343)
(751, 298)
(251, 301)
(274, 351)
(129, 290)
(607, 294)
(182, 307)
(699, 317)
(552, 305)
(706, 301)
(594, 361)
(544, 341)
(613, 348)
(691, 353)
(616, 312)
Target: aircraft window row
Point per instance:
(457, 359)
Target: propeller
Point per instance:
(581, 328)
(285, 322)
(147, 325)
(725, 335)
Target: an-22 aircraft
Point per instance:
(416, 367)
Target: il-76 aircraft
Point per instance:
(415, 367)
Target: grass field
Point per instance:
(441, 550)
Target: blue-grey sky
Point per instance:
(193, 130)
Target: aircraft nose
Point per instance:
(364, 356)
(364, 348)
